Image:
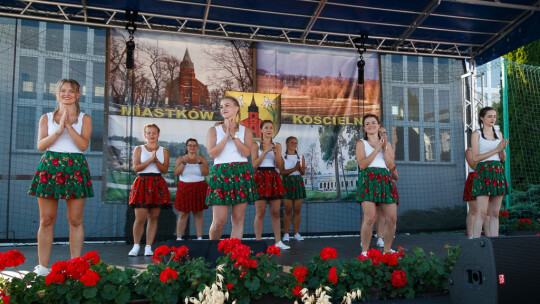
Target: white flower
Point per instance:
(268, 102)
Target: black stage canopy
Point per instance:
(478, 29)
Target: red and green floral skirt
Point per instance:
(467, 192)
(269, 184)
(230, 184)
(376, 185)
(149, 191)
(62, 176)
(489, 179)
(294, 187)
(190, 197)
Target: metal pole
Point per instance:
(506, 128)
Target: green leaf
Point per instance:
(253, 284)
(123, 295)
(89, 292)
(109, 292)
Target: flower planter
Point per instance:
(430, 293)
(526, 232)
(270, 299)
(373, 293)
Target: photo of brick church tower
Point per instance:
(253, 122)
(187, 90)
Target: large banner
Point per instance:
(309, 93)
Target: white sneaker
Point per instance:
(298, 237)
(364, 254)
(135, 250)
(148, 250)
(41, 271)
(199, 238)
(380, 242)
(285, 237)
(282, 246)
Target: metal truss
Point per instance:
(80, 13)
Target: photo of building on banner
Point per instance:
(177, 83)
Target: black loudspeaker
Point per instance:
(497, 270)
(209, 249)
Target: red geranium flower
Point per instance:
(332, 275)
(300, 273)
(227, 245)
(179, 253)
(12, 258)
(390, 258)
(328, 253)
(528, 221)
(77, 267)
(274, 250)
(504, 213)
(521, 221)
(229, 286)
(297, 291)
(5, 298)
(90, 278)
(399, 279)
(160, 252)
(168, 275)
(92, 257)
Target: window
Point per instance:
(398, 103)
(414, 144)
(26, 128)
(55, 37)
(29, 34)
(397, 67)
(53, 75)
(77, 71)
(429, 144)
(28, 70)
(445, 145)
(413, 104)
(78, 39)
(399, 142)
(412, 69)
(444, 106)
(99, 82)
(443, 70)
(96, 141)
(429, 105)
(428, 70)
(495, 77)
(99, 41)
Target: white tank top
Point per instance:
(64, 143)
(269, 159)
(290, 162)
(191, 174)
(152, 167)
(230, 153)
(378, 162)
(485, 146)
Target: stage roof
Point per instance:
(480, 29)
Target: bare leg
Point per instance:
(493, 212)
(181, 223)
(389, 213)
(287, 211)
(151, 225)
(275, 205)
(486, 226)
(482, 202)
(47, 218)
(471, 215)
(75, 208)
(297, 204)
(198, 218)
(219, 218)
(260, 210)
(370, 213)
(237, 218)
(138, 225)
(379, 223)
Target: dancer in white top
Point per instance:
(489, 185)
(149, 192)
(294, 166)
(266, 156)
(375, 185)
(62, 172)
(231, 182)
(191, 191)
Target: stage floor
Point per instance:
(116, 253)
